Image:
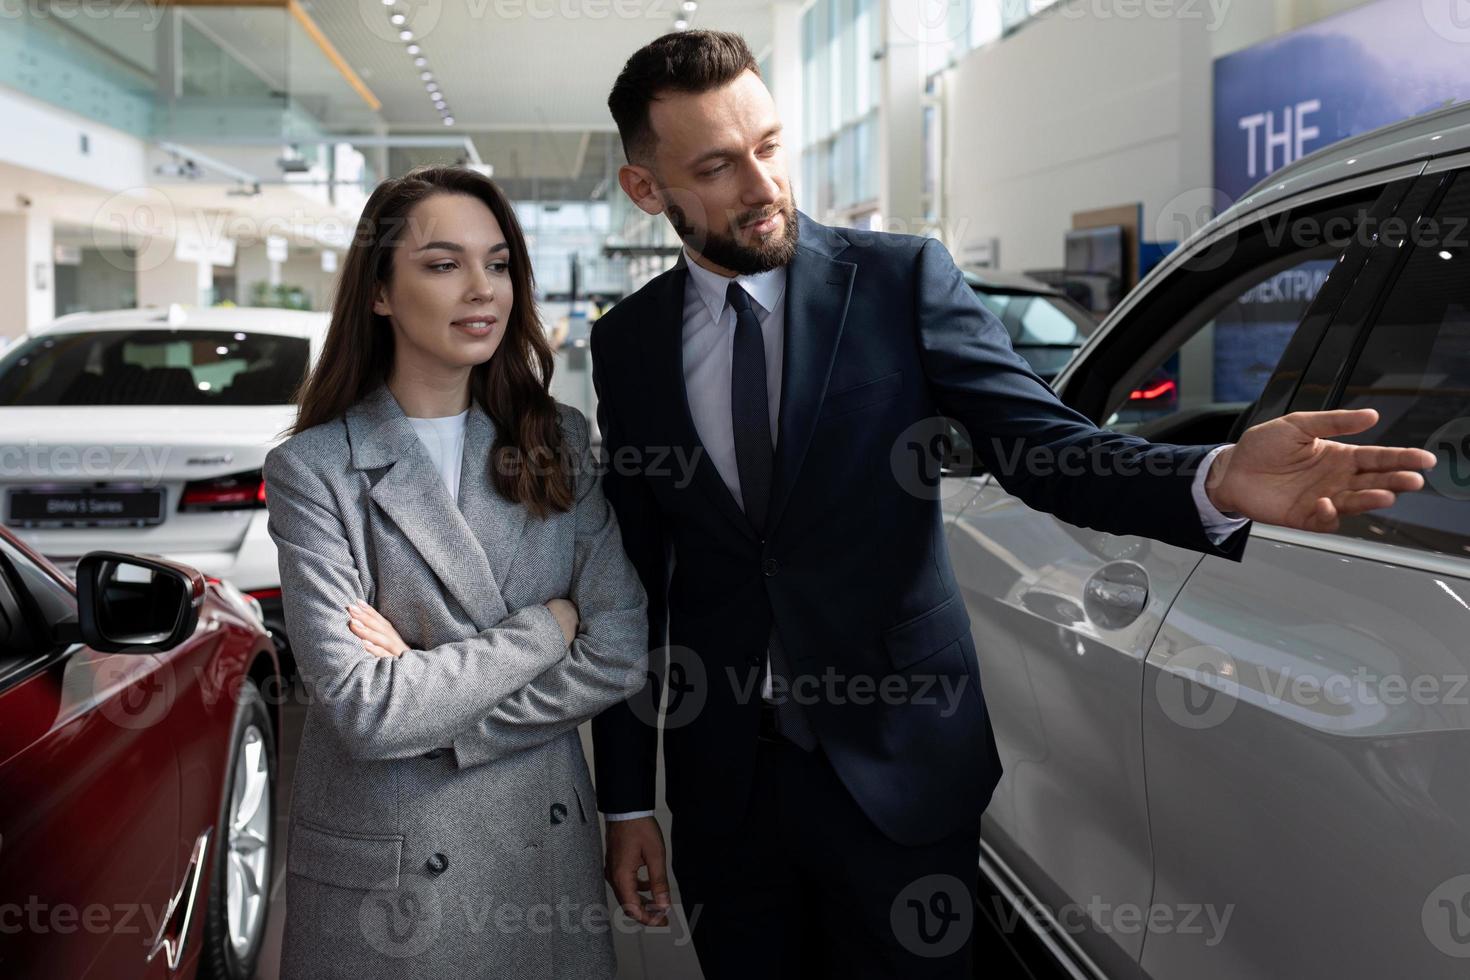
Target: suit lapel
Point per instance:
(817, 292)
(663, 346)
(414, 497)
(496, 522)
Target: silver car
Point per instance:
(1257, 769)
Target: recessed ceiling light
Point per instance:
(414, 49)
(421, 61)
(689, 6)
(397, 19)
(405, 35)
(427, 76)
(449, 120)
(680, 24)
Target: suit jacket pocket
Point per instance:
(344, 859)
(861, 395)
(926, 634)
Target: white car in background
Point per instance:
(145, 431)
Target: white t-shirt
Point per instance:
(444, 439)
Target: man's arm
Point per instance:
(625, 736)
(1049, 455)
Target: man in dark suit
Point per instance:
(826, 744)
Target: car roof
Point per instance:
(295, 323)
(1437, 133)
(1010, 282)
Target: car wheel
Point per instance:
(240, 870)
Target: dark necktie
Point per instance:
(750, 409)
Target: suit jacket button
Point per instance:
(770, 566)
(433, 753)
(437, 863)
(755, 660)
(558, 812)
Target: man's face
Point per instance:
(719, 173)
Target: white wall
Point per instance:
(43, 138)
(1087, 108)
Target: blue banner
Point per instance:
(1374, 65)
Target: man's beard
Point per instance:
(726, 252)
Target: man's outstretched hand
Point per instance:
(1288, 471)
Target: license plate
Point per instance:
(85, 508)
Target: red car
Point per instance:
(137, 769)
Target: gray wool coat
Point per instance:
(442, 820)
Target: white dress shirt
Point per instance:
(444, 439)
(709, 345)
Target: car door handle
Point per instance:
(1116, 594)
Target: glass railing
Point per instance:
(62, 61)
(242, 76)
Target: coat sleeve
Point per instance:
(608, 659)
(625, 736)
(384, 707)
(1049, 455)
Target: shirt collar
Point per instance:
(765, 288)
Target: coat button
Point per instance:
(433, 753)
(770, 566)
(755, 660)
(437, 863)
(558, 812)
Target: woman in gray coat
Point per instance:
(458, 601)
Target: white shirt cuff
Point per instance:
(1218, 526)
(634, 815)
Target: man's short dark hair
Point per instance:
(680, 61)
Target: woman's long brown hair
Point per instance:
(527, 463)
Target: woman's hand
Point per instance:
(377, 634)
(567, 617)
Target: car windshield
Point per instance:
(1038, 321)
(153, 367)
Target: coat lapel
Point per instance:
(414, 497)
(817, 292)
(663, 346)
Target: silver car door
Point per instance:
(1064, 616)
(1307, 711)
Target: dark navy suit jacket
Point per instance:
(882, 337)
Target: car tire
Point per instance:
(244, 846)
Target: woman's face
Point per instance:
(450, 294)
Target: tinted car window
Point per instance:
(1414, 368)
(153, 367)
(1231, 357)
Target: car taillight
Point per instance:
(1159, 390)
(239, 491)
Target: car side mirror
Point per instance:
(136, 603)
